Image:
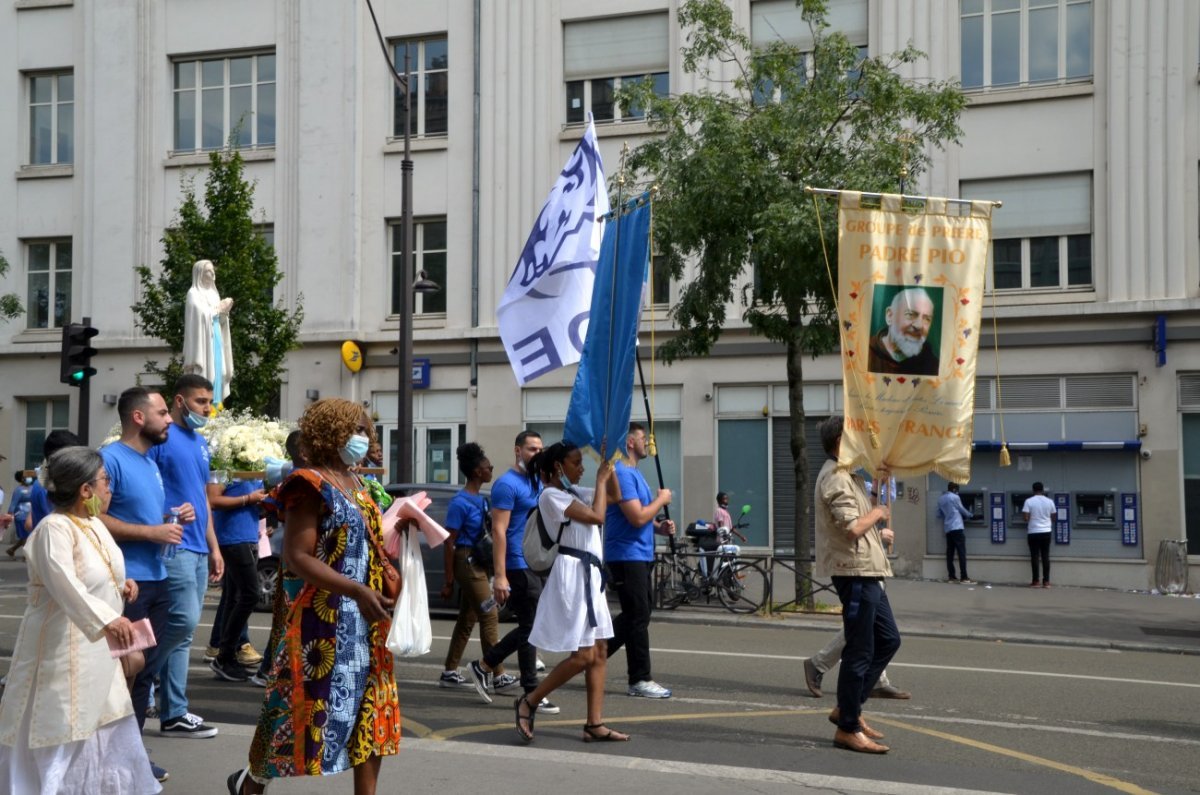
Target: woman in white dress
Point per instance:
(66, 720)
(572, 613)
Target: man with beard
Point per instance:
(137, 520)
(902, 346)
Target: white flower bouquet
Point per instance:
(243, 442)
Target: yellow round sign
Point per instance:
(352, 356)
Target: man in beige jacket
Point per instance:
(850, 550)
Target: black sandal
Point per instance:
(526, 736)
(591, 734)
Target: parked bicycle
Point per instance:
(740, 585)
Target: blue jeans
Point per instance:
(187, 579)
(871, 641)
(154, 603)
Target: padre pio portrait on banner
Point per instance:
(905, 330)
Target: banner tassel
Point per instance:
(1005, 458)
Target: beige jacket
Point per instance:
(841, 498)
(62, 672)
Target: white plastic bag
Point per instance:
(411, 634)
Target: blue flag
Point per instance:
(598, 415)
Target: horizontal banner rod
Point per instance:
(865, 195)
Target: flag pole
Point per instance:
(654, 451)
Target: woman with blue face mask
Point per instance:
(338, 621)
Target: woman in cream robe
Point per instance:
(66, 719)
(207, 346)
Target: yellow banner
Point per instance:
(910, 291)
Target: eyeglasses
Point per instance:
(99, 478)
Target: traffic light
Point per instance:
(75, 360)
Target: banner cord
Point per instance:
(1005, 458)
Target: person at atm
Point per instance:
(1038, 511)
(950, 508)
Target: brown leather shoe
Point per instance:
(857, 742)
(874, 734)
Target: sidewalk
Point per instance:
(1089, 617)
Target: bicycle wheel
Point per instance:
(674, 576)
(742, 586)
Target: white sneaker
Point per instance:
(547, 708)
(648, 688)
(541, 666)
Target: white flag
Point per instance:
(543, 314)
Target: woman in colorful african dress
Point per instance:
(331, 701)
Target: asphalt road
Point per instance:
(986, 716)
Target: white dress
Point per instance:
(562, 624)
(66, 719)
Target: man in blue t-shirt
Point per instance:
(235, 518)
(38, 498)
(629, 526)
(183, 461)
(137, 520)
(514, 495)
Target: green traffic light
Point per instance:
(77, 375)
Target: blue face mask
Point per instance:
(354, 450)
(195, 421)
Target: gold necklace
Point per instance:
(103, 552)
(339, 482)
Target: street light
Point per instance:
(422, 284)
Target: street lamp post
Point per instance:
(408, 286)
(404, 408)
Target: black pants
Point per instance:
(1039, 546)
(522, 601)
(956, 541)
(633, 582)
(154, 603)
(872, 640)
(241, 589)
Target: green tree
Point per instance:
(222, 229)
(10, 303)
(732, 161)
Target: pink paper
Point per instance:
(264, 540)
(143, 638)
(411, 508)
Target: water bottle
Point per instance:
(488, 605)
(167, 551)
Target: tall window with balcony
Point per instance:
(602, 55)
(51, 118)
(429, 78)
(224, 99)
(1009, 43)
(48, 269)
(1043, 239)
(429, 255)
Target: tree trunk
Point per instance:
(804, 551)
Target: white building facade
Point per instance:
(1084, 119)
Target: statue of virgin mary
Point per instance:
(206, 341)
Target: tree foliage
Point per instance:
(731, 162)
(10, 303)
(220, 227)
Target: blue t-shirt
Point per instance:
(513, 492)
(19, 506)
(464, 515)
(623, 541)
(237, 525)
(183, 461)
(137, 498)
(40, 502)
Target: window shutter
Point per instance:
(1036, 392)
(616, 46)
(1189, 391)
(780, 20)
(1099, 391)
(1038, 206)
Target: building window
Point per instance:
(51, 118)
(780, 21)
(429, 255)
(428, 75)
(660, 282)
(1043, 238)
(218, 98)
(48, 265)
(1025, 42)
(600, 56)
(42, 417)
